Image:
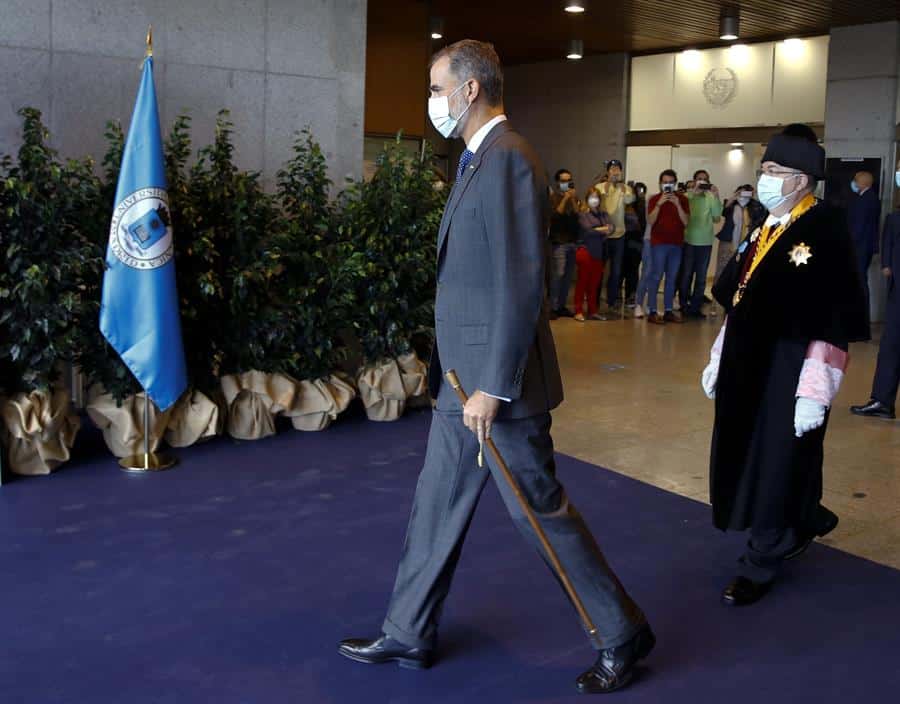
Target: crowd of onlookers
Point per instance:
(639, 242)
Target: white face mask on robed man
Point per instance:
(769, 191)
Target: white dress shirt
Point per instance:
(479, 136)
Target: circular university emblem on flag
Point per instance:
(141, 231)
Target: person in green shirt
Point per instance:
(706, 209)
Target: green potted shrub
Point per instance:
(48, 260)
(244, 321)
(200, 413)
(317, 284)
(392, 220)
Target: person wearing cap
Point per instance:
(793, 300)
(615, 194)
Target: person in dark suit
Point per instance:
(863, 216)
(491, 326)
(887, 371)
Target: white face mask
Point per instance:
(594, 202)
(744, 200)
(439, 113)
(769, 191)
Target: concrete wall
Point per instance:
(861, 109)
(278, 65)
(575, 113)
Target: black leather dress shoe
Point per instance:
(385, 649)
(874, 409)
(825, 522)
(743, 592)
(614, 668)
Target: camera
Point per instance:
(705, 186)
(669, 187)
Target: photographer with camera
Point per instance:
(667, 215)
(705, 211)
(614, 196)
(564, 232)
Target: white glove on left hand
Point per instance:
(808, 415)
(710, 377)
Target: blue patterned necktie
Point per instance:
(463, 163)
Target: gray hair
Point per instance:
(473, 59)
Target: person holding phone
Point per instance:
(742, 214)
(705, 210)
(667, 216)
(615, 194)
(564, 209)
(595, 227)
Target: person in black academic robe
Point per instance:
(791, 310)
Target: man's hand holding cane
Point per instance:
(478, 415)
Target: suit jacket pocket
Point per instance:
(474, 334)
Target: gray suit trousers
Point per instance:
(446, 496)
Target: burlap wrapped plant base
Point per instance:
(254, 398)
(386, 387)
(39, 428)
(123, 425)
(319, 401)
(195, 417)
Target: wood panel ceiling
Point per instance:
(538, 30)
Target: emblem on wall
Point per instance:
(720, 87)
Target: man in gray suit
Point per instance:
(492, 328)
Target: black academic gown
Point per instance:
(761, 475)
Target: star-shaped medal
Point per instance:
(800, 254)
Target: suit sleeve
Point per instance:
(874, 218)
(513, 209)
(888, 242)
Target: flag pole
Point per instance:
(143, 173)
(147, 461)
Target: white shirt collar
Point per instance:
(783, 220)
(479, 136)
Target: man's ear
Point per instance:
(473, 90)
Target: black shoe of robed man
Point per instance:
(614, 667)
(743, 592)
(825, 522)
(385, 649)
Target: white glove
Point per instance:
(808, 415)
(709, 378)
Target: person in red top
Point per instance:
(667, 214)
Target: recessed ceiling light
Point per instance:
(574, 6)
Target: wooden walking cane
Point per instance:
(451, 377)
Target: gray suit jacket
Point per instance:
(490, 320)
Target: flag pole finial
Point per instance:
(149, 40)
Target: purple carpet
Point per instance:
(231, 579)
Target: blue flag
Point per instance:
(139, 308)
